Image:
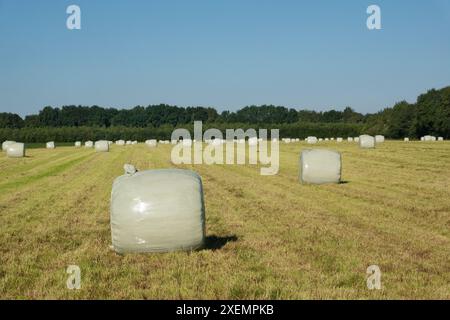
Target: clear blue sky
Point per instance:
(222, 53)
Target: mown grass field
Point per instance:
(269, 237)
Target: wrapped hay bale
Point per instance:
(151, 143)
(366, 142)
(77, 144)
(320, 139)
(311, 140)
(406, 139)
(120, 142)
(129, 142)
(88, 144)
(422, 138)
(339, 139)
(187, 142)
(429, 138)
(320, 166)
(50, 145)
(15, 150)
(356, 139)
(157, 211)
(253, 142)
(101, 146)
(6, 143)
(379, 139)
(350, 139)
(441, 139)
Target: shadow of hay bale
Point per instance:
(216, 243)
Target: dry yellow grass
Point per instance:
(268, 237)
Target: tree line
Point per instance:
(429, 115)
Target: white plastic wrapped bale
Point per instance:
(187, 142)
(379, 139)
(50, 145)
(129, 142)
(366, 142)
(311, 140)
(77, 144)
(406, 139)
(356, 139)
(320, 166)
(6, 143)
(429, 138)
(339, 139)
(101, 146)
(110, 143)
(350, 139)
(422, 138)
(320, 139)
(88, 144)
(441, 139)
(157, 211)
(252, 141)
(151, 143)
(15, 150)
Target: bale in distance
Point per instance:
(15, 150)
(6, 143)
(320, 166)
(101, 146)
(120, 142)
(406, 139)
(151, 143)
(50, 145)
(157, 211)
(356, 139)
(366, 142)
(379, 139)
(252, 141)
(440, 138)
(77, 144)
(88, 144)
(350, 139)
(339, 139)
(311, 140)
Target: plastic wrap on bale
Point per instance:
(101, 146)
(16, 150)
(366, 142)
(50, 145)
(157, 211)
(6, 143)
(320, 166)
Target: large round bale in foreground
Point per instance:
(16, 150)
(157, 211)
(366, 142)
(6, 143)
(101, 146)
(320, 166)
